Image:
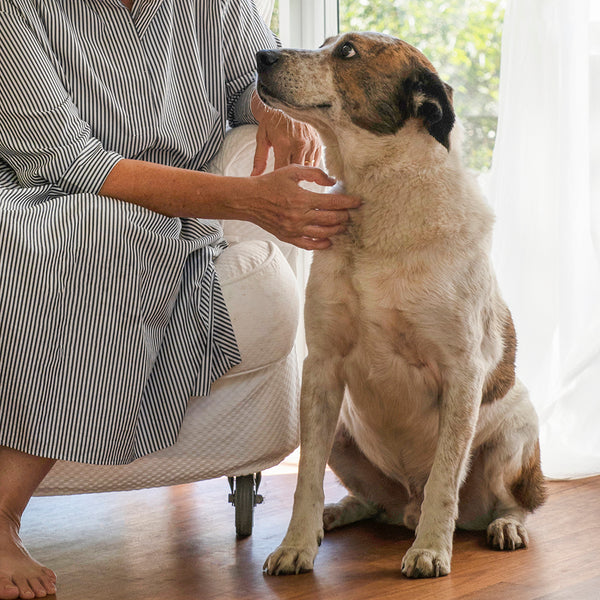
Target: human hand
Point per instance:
(293, 142)
(295, 215)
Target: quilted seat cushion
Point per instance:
(261, 294)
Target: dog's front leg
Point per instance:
(430, 554)
(321, 399)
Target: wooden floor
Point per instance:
(179, 543)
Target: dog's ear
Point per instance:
(431, 101)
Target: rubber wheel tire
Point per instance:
(244, 505)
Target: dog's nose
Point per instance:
(265, 59)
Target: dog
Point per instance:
(409, 387)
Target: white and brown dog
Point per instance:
(409, 386)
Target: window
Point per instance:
(460, 37)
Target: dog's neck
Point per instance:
(360, 158)
(403, 181)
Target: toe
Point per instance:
(523, 535)
(38, 588)
(49, 583)
(8, 590)
(25, 591)
(49, 574)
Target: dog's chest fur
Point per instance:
(398, 295)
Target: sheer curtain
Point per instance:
(545, 189)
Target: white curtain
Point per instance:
(545, 190)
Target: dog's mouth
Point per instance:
(274, 100)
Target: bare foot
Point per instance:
(20, 575)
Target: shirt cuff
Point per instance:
(89, 171)
(242, 111)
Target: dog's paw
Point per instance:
(348, 510)
(332, 517)
(507, 533)
(290, 560)
(425, 563)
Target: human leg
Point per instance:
(20, 575)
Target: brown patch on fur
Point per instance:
(501, 380)
(386, 81)
(371, 82)
(529, 488)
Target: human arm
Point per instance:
(43, 138)
(50, 146)
(273, 201)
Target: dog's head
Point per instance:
(373, 81)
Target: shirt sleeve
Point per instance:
(245, 34)
(42, 137)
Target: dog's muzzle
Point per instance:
(267, 62)
(281, 82)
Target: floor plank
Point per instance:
(179, 543)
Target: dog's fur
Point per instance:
(411, 347)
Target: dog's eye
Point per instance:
(347, 50)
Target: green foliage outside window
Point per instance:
(274, 25)
(462, 39)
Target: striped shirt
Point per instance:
(111, 316)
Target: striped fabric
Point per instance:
(111, 316)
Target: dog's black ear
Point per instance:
(432, 101)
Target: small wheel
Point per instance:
(244, 501)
